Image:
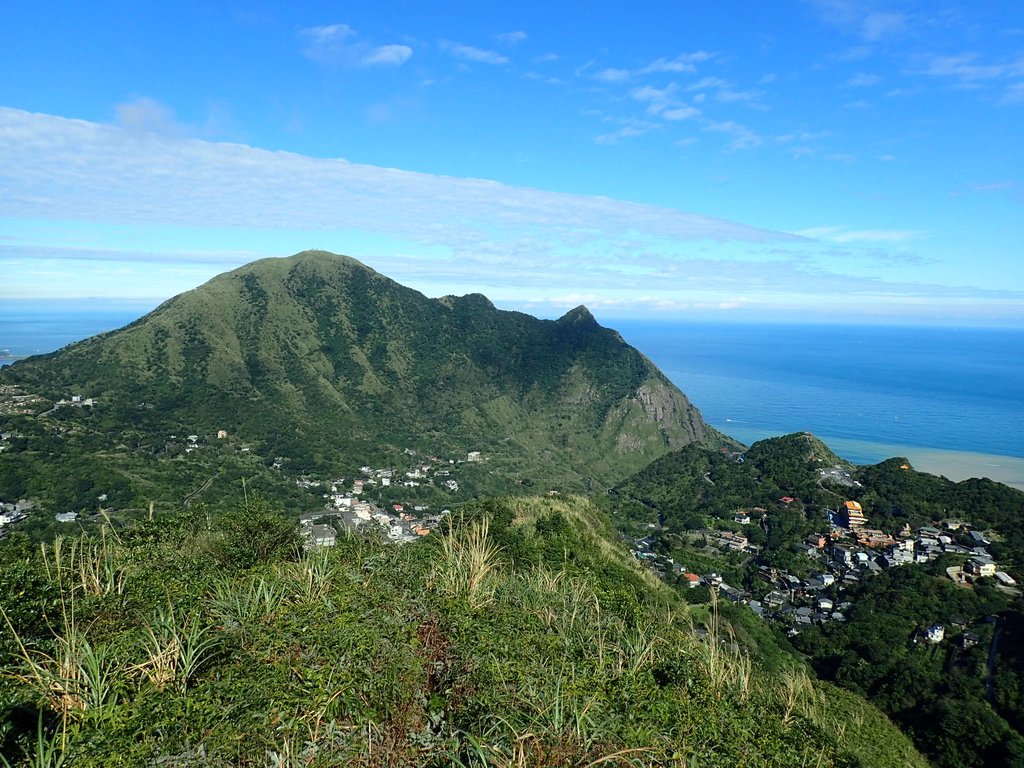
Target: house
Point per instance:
(742, 518)
(980, 566)
(816, 540)
(692, 580)
(824, 604)
(222, 434)
(935, 633)
(807, 550)
(66, 517)
(473, 456)
(322, 536)
(731, 540)
(843, 555)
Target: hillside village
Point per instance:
(845, 552)
(400, 522)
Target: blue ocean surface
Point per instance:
(954, 389)
(32, 328)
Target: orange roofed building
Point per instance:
(853, 514)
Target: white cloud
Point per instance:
(860, 18)
(469, 53)
(338, 44)
(394, 55)
(630, 129)
(879, 25)
(662, 102)
(742, 136)
(656, 98)
(437, 234)
(74, 169)
(680, 113)
(863, 79)
(708, 82)
(328, 33)
(963, 67)
(146, 115)
(323, 44)
(684, 62)
(511, 38)
(613, 75)
(845, 235)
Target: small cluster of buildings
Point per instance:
(345, 505)
(13, 512)
(14, 401)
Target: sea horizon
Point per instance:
(944, 398)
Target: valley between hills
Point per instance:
(304, 515)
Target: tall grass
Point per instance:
(243, 605)
(175, 647)
(85, 564)
(728, 668)
(468, 564)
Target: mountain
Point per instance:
(321, 360)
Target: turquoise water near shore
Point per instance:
(950, 400)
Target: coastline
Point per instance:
(954, 465)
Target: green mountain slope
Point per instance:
(523, 637)
(320, 359)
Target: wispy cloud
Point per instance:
(629, 129)
(845, 235)
(684, 62)
(75, 169)
(438, 234)
(148, 115)
(339, 45)
(862, 18)
(393, 55)
(511, 38)
(741, 136)
(863, 79)
(969, 70)
(613, 75)
(469, 53)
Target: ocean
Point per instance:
(949, 399)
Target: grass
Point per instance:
(512, 640)
(468, 563)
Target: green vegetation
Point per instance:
(320, 360)
(522, 636)
(960, 700)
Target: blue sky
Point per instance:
(846, 160)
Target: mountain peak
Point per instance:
(580, 316)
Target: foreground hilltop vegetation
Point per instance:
(323, 362)
(521, 636)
